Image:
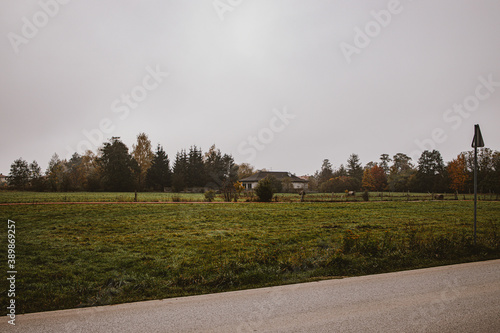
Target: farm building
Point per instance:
(251, 182)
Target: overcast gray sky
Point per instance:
(281, 84)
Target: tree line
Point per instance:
(114, 168)
(398, 174)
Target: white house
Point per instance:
(251, 182)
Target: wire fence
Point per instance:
(383, 196)
(7, 197)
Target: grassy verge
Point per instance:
(85, 255)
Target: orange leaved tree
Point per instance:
(458, 173)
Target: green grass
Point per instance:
(381, 196)
(37, 197)
(85, 255)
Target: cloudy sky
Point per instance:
(281, 84)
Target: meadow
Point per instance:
(38, 197)
(70, 256)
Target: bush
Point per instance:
(264, 190)
(366, 195)
(277, 185)
(210, 195)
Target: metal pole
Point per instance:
(475, 192)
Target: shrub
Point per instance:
(366, 195)
(276, 184)
(264, 190)
(210, 195)
(249, 196)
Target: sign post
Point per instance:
(477, 142)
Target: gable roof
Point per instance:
(277, 174)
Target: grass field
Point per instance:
(37, 197)
(84, 255)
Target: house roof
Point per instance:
(277, 174)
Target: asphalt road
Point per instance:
(458, 298)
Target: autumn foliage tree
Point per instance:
(458, 173)
(245, 170)
(374, 179)
(76, 170)
(113, 168)
(55, 174)
(142, 153)
(339, 184)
